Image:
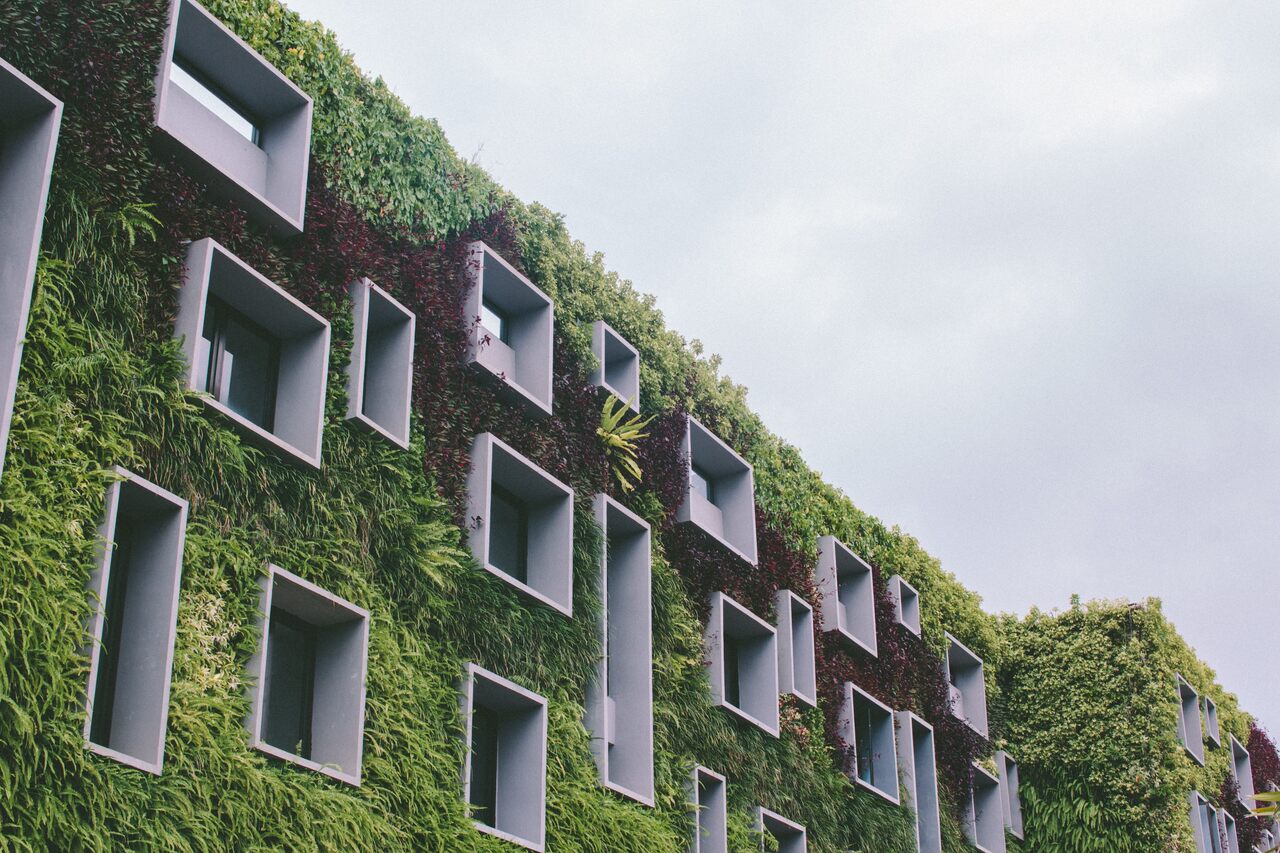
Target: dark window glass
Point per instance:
(509, 534)
(104, 693)
(496, 321)
(244, 364)
(732, 672)
(290, 683)
(485, 726)
(862, 741)
(215, 100)
(702, 483)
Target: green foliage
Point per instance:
(619, 434)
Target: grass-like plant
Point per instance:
(619, 435)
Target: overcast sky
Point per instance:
(1005, 272)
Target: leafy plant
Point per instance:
(619, 435)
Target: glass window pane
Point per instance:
(104, 695)
(485, 726)
(509, 534)
(701, 483)
(191, 82)
(495, 320)
(290, 683)
(244, 364)
(732, 671)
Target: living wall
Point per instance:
(389, 199)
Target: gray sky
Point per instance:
(1005, 272)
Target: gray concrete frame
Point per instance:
(906, 604)
(965, 671)
(1227, 824)
(797, 665)
(884, 742)
(268, 180)
(731, 520)
(149, 620)
(617, 369)
(791, 836)
(984, 817)
(521, 806)
(1191, 737)
(621, 724)
(846, 594)
(341, 668)
(758, 656)
(29, 122)
(522, 365)
(304, 347)
(550, 504)
(1242, 771)
(918, 769)
(1011, 795)
(1211, 729)
(380, 374)
(711, 817)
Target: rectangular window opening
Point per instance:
(702, 483)
(509, 538)
(732, 672)
(290, 687)
(213, 98)
(485, 727)
(244, 364)
(495, 320)
(112, 635)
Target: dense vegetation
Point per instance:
(389, 199)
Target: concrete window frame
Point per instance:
(918, 768)
(1011, 794)
(1190, 732)
(619, 700)
(882, 737)
(1242, 771)
(1212, 731)
(617, 369)
(267, 179)
(302, 336)
(380, 374)
(797, 660)
(708, 794)
(846, 594)
(984, 816)
(520, 798)
(549, 506)
(1227, 826)
(1205, 824)
(134, 706)
(966, 675)
(729, 518)
(791, 836)
(30, 119)
(906, 604)
(755, 641)
(521, 358)
(341, 662)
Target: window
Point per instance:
(233, 119)
(512, 335)
(918, 766)
(846, 594)
(1189, 732)
(308, 677)
(135, 590)
(711, 824)
(505, 771)
(906, 604)
(1229, 833)
(1211, 729)
(1011, 796)
(521, 527)
(380, 375)
(968, 685)
(789, 835)
(742, 652)
(620, 697)
(617, 368)
(721, 496)
(244, 364)
(212, 98)
(797, 669)
(1242, 772)
(260, 354)
(867, 725)
(984, 818)
(29, 122)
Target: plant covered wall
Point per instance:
(389, 199)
